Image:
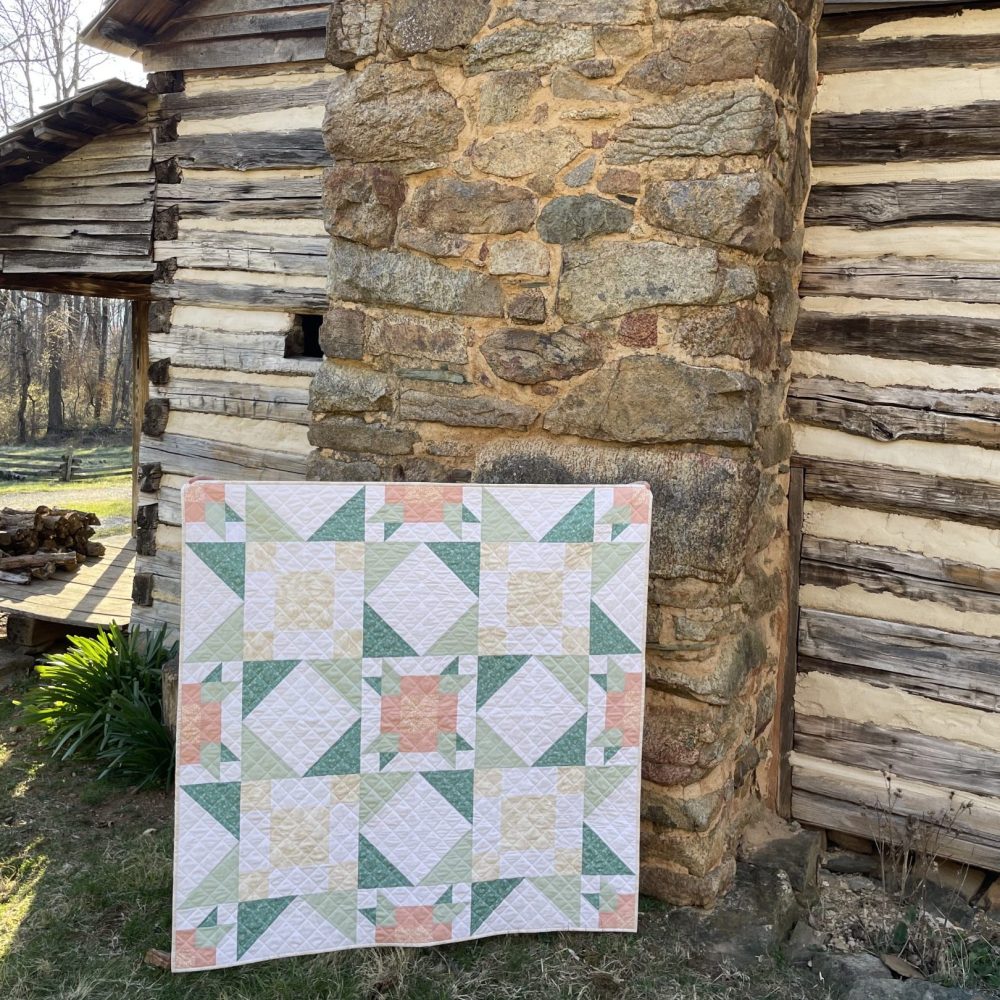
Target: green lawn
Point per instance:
(109, 496)
(84, 892)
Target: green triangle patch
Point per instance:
(598, 858)
(570, 750)
(377, 790)
(563, 891)
(346, 525)
(375, 870)
(455, 866)
(607, 560)
(462, 637)
(260, 762)
(462, 558)
(232, 517)
(455, 787)
(494, 672)
(577, 525)
(222, 882)
(227, 756)
(337, 909)
(499, 525)
(254, 918)
(225, 643)
(260, 678)
(468, 517)
(344, 757)
(264, 525)
(605, 636)
(601, 782)
(487, 896)
(227, 560)
(221, 802)
(492, 751)
(215, 677)
(381, 640)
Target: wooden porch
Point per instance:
(98, 593)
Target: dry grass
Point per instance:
(84, 891)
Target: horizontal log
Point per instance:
(248, 151)
(238, 352)
(945, 666)
(244, 25)
(883, 559)
(867, 206)
(289, 199)
(248, 100)
(182, 455)
(264, 254)
(944, 340)
(248, 296)
(899, 491)
(902, 278)
(847, 54)
(865, 16)
(897, 413)
(241, 399)
(878, 578)
(846, 816)
(911, 755)
(963, 133)
(15, 579)
(307, 46)
(968, 826)
(11, 563)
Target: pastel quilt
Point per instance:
(409, 714)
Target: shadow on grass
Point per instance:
(85, 871)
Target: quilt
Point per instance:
(408, 715)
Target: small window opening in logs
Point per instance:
(302, 340)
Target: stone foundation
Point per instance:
(566, 238)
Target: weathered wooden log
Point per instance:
(38, 560)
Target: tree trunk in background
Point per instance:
(23, 381)
(102, 356)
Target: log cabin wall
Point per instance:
(243, 258)
(77, 196)
(896, 401)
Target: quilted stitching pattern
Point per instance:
(409, 714)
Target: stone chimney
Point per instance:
(566, 239)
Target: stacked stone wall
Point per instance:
(566, 238)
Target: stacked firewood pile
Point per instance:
(34, 545)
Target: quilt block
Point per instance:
(409, 714)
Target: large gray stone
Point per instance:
(392, 113)
(516, 154)
(752, 920)
(528, 357)
(651, 399)
(319, 467)
(397, 278)
(418, 338)
(701, 503)
(524, 47)
(338, 388)
(356, 435)
(505, 96)
(519, 257)
(361, 202)
(740, 330)
(880, 989)
(568, 85)
(418, 26)
(342, 333)
(353, 31)
(613, 279)
(709, 51)
(579, 217)
(732, 209)
(739, 121)
(607, 12)
(464, 411)
(451, 205)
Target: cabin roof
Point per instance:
(125, 26)
(67, 126)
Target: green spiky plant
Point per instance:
(102, 699)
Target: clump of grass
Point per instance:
(914, 926)
(102, 700)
